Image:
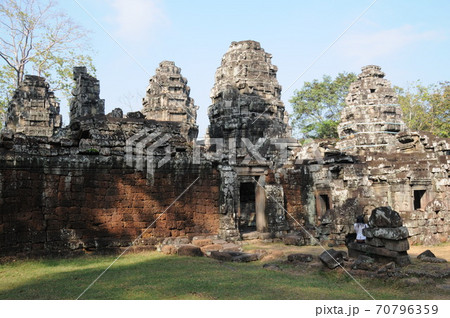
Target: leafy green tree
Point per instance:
(317, 106)
(37, 38)
(426, 108)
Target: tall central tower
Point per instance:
(246, 96)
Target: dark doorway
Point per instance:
(418, 198)
(322, 204)
(247, 219)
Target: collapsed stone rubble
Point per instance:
(386, 238)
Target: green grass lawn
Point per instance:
(152, 275)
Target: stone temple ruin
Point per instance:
(106, 178)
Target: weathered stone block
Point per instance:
(398, 233)
(189, 250)
(385, 217)
(398, 246)
(364, 262)
(300, 257)
(331, 258)
(294, 240)
(374, 241)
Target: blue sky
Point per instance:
(409, 39)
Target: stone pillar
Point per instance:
(86, 95)
(228, 203)
(33, 110)
(260, 204)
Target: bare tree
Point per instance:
(34, 34)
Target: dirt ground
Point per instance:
(441, 251)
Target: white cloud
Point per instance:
(366, 47)
(137, 19)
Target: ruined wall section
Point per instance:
(101, 182)
(58, 198)
(167, 99)
(86, 100)
(34, 109)
(412, 179)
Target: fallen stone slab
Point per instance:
(427, 253)
(245, 258)
(189, 250)
(169, 250)
(202, 242)
(385, 217)
(231, 247)
(300, 257)
(365, 263)
(433, 259)
(234, 256)
(221, 256)
(294, 240)
(331, 258)
(398, 233)
(209, 248)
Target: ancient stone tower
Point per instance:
(86, 100)
(246, 96)
(372, 116)
(247, 112)
(33, 109)
(167, 99)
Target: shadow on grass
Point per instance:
(155, 276)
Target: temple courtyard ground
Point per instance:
(153, 275)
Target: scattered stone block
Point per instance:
(189, 250)
(234, 256)
(245, 258)
(364, 262)
(432, 259)
(294, 240)
(231, 247)
(169, 250)
(300, 257)
(221, 256)
(427, 253)
(202, 242)
(209, 248)
(331, 258)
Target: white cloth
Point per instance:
(359, 230)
